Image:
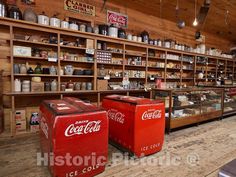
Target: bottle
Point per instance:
(34, 119)
(54, 85)
(17, 85)
(38, 69)
(15, 13)
(23, 69)
(3, 8)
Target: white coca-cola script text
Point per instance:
(116, 115)
(83, 127)
(151, 114)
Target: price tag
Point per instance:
(52, 59)
(90, 51)
(107, 77)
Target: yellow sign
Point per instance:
(79, 7)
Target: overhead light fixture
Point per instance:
(195, 22)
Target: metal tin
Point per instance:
(43, 19)
(89, 86)
(55, 22)
(64, 24)
(113, 31)
(73, 26)
(82, 27)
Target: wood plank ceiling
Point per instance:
(218, 21)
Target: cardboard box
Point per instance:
(102, 84)
(20, 115)
(22, 51)
(89, 44)
(20, 126)
(37, 86)
(34, 128)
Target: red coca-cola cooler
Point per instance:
(74, 138)
(135, 124)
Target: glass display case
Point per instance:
(190, 105)
(229, 103)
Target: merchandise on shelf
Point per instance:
(104, 57)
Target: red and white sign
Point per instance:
(151, 114)
(117, 19)
(82, 127)
(116, 115)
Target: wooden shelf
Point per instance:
(77, 76)
(135, 66)
(172, 78)
(72, 47)
(159, 58)
(179, 69)
(31, 42)
(117, 53)
(168, 59)
(184, 78)
(102, 77)
(30, 58)
(71, 61)
(69, 92)
(135, 55)
(136, 77)
(109, 64)
(35, 75)
(153, 67)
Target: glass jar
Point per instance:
(23, 69)
(3, 8)
(38, 69)
(82, 27)
(47, 86)
(26, 86)
(15, 13)
(54, 85)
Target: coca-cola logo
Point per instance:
(83, 127)
(151, 114)
(116, 115)
(117, 19)
(44, 127)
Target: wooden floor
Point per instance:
(192, 152)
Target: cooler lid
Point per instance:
(61, 107)
(131, 99)
(85, 107)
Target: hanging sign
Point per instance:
(117, 19)
(79, 7)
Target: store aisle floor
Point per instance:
(197, 152)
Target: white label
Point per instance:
(63, 108)
(61, 104)
(44, 126)
(83, 127)
(151, 114)
(90, 51)
(107, 77)
(116, 115)
(52, 59)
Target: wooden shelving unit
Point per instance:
(152, 57)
